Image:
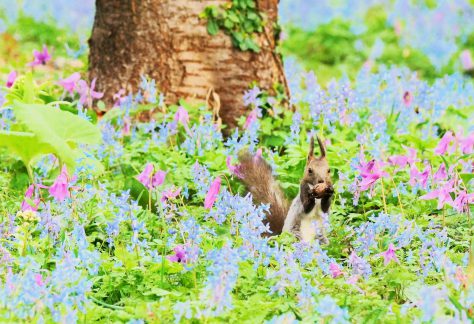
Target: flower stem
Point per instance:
(383, 197)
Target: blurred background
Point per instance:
(335, 38)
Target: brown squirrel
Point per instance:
(304, 216)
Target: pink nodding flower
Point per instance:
(234, 169)
(407, 98)
(389, 255)
(466, 144)
(335, 270)
(182, 116)
(251, 118)
(146, 176)
(60, 188)
(170, 194)
(39, 279)
(11, 79)
(69, 84)
(179, 255)
(25, 205)
(441, 173)
(40, 58)
(88, 94)
(443, 195)
(462, 201)
(466, 60)
(158, 178)
(398, 160)
(212, 193)
(258, 155)
(419, 177)
(370, 173)
(443, 144)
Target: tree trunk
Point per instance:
(167, 41)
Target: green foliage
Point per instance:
(240, 19)
(48, 130)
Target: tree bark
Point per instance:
(167, 41)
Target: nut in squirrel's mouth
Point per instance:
(321, 190)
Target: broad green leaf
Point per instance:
(212, 27)
(25, 145)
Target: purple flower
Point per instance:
(441, 173)
(179, 255)
(69, 84)
(146, 176)
(389, 255)
(444, 143)
(182, 116)
(419, 177)
(335, 270)
(466, 144)
(88, 94)
(234, 169)
(40, 58)
(11, 79)
(462, 201)
(443, 195)
(212, 193)
(25, 205)
(252, 117)
(158, 178)
(60, 187)
(170, 194)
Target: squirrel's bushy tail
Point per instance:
(257, 176)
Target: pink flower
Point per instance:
(462, 201)
(179, 255)
(251, 118)
(398, 160)
(443, 195)
(466, 144)
(444, 143)
(170, 194)
(158, 178)
(335, 270)
(212, 193)
(60, 187)
(88, 94)
(389, 255)
(146, 176)
(466, 60)
(352, 280)
(11, 79)
(407, 98)
(234, 169)
(258, 155)
(119, 97)
(441, 173)
(40, 58)
(370, 173)
(25, 205)
(182, 116)
(39, 279)
(69, 84)
(126, 126)
(419, 177)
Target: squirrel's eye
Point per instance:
(329, 171)
(310, 170)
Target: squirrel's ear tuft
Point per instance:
(311, 148)
(321, 147)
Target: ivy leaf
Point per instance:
(212, 27)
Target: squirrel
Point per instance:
(303, 217)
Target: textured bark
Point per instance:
(167, 41)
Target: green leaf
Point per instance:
(56, 131)
(25, 145)
(466, 177)
(212, 27)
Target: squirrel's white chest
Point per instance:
(311, 223)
